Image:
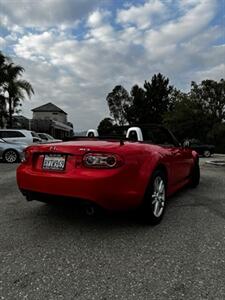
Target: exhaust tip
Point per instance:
(90, 210)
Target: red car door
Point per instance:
(182, 161)
(179, 157)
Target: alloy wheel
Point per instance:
(158, 196)
(207, 153)
(10, 156)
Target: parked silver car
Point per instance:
(47, 138)
(19, 136)
(11, 152)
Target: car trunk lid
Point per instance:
(60, 156)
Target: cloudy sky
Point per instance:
(76, 51)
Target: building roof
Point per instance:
(62, 126)
(19, 117)
(49, 107)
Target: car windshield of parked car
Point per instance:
(42, 136)
(45, 136)
(49, 137)
(34, 134)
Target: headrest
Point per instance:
(134, 134)
(92, 133)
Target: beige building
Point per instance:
(50, 111)
(51, 119)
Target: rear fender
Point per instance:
(148, 166)
(195, 157)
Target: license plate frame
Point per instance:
(54, 162)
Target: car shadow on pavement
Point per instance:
(69, 213)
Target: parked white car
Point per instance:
(19, 136)
(11, 152)
(47, 138)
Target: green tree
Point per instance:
(187, 119)
(199, 114)
(12, 88)
(3, 67)
(149, 104)
(137, 112)
(16, 88)
(211, 95)
(3, 113)
(216, 136)
(119, 101)
(175, 97)
(3, 61)
(105, 126)
(157, 93)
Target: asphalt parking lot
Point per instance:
(49, 252)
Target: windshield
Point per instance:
(34, 134)
(45, 136)
(49, 137)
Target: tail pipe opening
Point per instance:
(90, 210)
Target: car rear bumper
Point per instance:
(115, 189)
(54, 199)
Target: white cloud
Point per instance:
(216, 73)
(142, 16)
(2, 42)
(183, 28)
(32, 46)
(44, 13)
(189, 2)
(97, 17)
(77, 71)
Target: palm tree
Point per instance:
(17, 88)
(12, 88)
(3, 112)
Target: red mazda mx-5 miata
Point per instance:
(139, 171)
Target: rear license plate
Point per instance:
(56, 162)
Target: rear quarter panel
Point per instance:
(149, 157)
(144, 160)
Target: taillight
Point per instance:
(26, 156)
(102, 160)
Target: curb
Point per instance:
(216, 162)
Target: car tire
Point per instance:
(195, 176)
(10, 156)
(207, 153)
(154, 203)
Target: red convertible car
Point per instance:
(139, 171)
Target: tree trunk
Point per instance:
(3, 112)
(10, 112)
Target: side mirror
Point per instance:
(186, 144)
